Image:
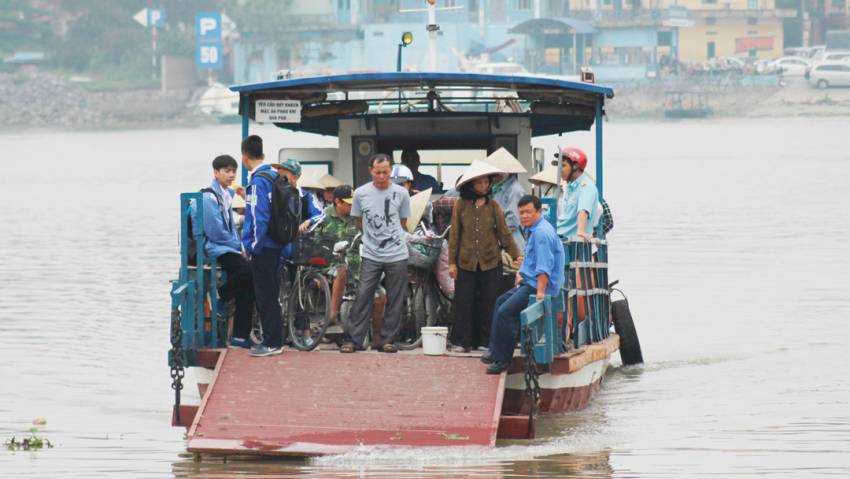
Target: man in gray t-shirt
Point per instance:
(381, 212)
(381, 209)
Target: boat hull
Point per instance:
(558, 392)
(570, 384)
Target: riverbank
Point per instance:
(53, 101)
(795, 99)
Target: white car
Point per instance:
(790, 66)
(832, 56)
(825, 75)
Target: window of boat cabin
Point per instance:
(444, 165)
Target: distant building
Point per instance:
(731, 28)
(26, 62)
(623, 40)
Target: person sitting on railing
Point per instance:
(541, 274)
(578, 207)
(222, 243)
(339, 225)
(478, 236)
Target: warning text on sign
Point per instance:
(278, 111)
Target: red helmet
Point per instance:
(574, 156)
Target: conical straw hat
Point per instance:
(503, 160)
(548, 176)
(478, 169)
(330, 181)
(310, 181)
(418, 204)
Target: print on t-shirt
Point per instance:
(387, 221)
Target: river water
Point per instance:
(731, 240)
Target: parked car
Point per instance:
(816, 51)
(790, 66)
(825, 75)
(832, 56)
(802, 52)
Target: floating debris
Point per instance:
(28, 443)
(31, 443)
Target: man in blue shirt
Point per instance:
(421, 181)
(541, 274)
(578, 207)
(221, 242)
(263, 252)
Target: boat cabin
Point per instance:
(449, 118)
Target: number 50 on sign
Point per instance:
(208, 55)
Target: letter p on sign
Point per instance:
(208, 26)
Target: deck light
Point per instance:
(406, 38)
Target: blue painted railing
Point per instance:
(540, 321)
(201, 327)
(586, 286)
(582, 303)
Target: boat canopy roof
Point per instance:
(553, 105)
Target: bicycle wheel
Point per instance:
(414, 317)
(309, 310)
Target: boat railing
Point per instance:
(194, 295)
(539, 322)
(586, 286)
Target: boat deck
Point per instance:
(318, 403)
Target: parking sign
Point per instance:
(208, 51)
(208, 55)
(208, 26)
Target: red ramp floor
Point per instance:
(321, 402)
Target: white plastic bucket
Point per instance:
(434, 340)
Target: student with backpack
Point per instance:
(271, 221)
(221, 242)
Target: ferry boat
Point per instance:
(313, 403)
(686, 104)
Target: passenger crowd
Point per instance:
(495, 225)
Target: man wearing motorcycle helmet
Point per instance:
(578, 209)
(403, 176)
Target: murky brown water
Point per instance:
(731, 240)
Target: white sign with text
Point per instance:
(277, 111)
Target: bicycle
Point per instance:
(422, 307)
(341, 250)
(304, 296)
(306, 299)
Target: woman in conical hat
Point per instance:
(329, 183)
(508, 192)
(547, 180)
(477, 238)
(312, 183)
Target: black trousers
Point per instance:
(239, 285)
(265, 265)
(474, 300)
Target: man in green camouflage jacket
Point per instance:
(339, 225)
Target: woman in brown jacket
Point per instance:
(479, 234)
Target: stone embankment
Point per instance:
(50, 101)
(795, 98)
